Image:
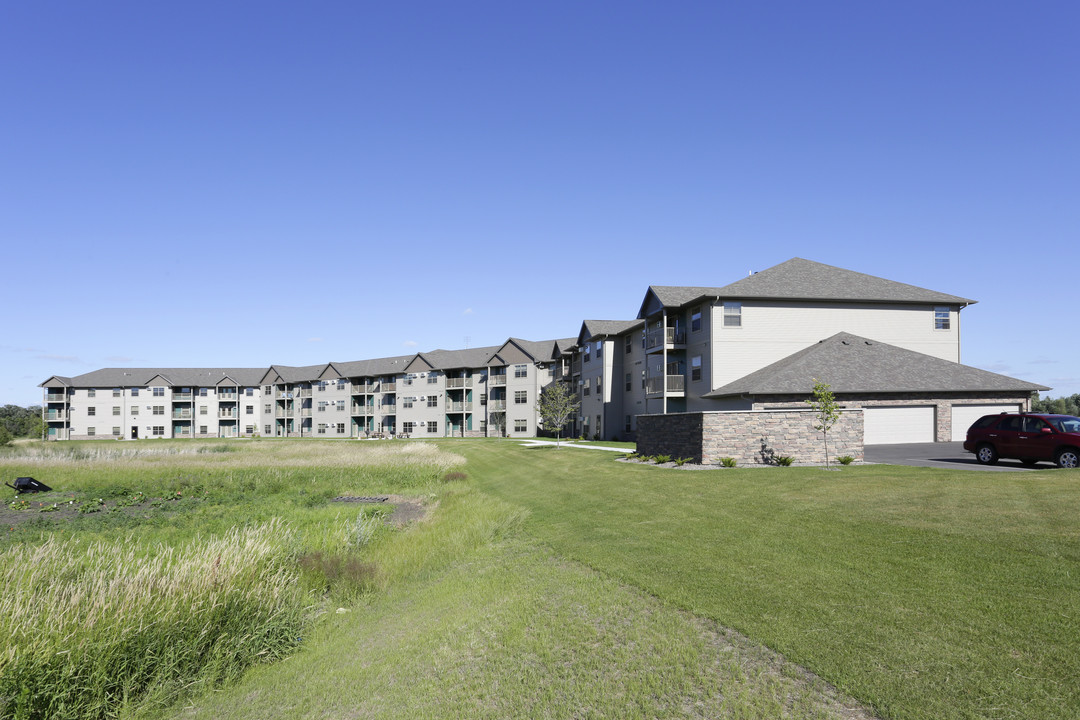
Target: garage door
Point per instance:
(891, 425)
(964, 415)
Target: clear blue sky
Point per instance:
(242, 183)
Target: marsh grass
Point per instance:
(87, 628)
(93, 620)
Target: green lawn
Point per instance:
(925, 593)
(563, 583)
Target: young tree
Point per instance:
(497, 418)
(556, 406)
(826, 412)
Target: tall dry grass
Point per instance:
(87, 629)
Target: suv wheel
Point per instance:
(1068, 458)
(986, 454)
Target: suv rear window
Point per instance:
(984, 421)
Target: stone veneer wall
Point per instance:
(751, 437)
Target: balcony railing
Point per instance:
(459, 407)
(496, 380)
(182, 397)
(388, 387)
(281, 412)
(226, 397)
(305, 392)
(54, 415)
(361, 388)
(305, 412)
(181, 415)
(458, 382)
(55, 397)
(228, 414)
(363, 409)
(671, 336)
(496, 405)
(668, 383)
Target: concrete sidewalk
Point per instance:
(569, 444)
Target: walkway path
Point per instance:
(565, 443)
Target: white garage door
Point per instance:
(964, 415)
(891, 425)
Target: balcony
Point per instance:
(305, 392)
(305, 412)
(182, 397)
(671, 337)
(55, 415)
(363, 409)
(285, 396)
(457, 407)
(228, 414)
(281, 413)
(55, 397)
(669, 384)
(181, 414)
(458, 382)
(496, 380)
(389, 409)
(389, 387)
(363, 388)
(496, 405)
(226, 397)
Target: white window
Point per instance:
(249, 410)
(91, 431)
(159, 409)
(91, 393)
(202, 392)
(321, 407)
(134, 392)
(433, 401)
(521, 397)
(158, 430)
(116, 392)
(159, 392)
(732, 313)
(250, 392)
(202, 410)
(521, 426)
(941, 318)
(585, 390)
(340, 406)
(433, 426)
(432, 379)
(116, 431)
(521, 371)
(406, 402)
(116, 410)
(407, 427)
(322, 429)
(91, 411)
(202, 429)
(134, 409)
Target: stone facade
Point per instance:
(752, 437)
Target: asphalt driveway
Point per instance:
(940, 455)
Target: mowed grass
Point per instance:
(924, 593)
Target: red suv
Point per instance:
(1028, 438)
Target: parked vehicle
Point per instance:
(1027, 437)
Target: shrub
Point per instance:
(728, 461)
(679, 462)
(661, 459)
(784, 460)
(631, 456)
(845, 460)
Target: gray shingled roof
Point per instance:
(853, 364)
(607, 328)
(188, 377)
(375, 367)
(453, 359)
(800, 279)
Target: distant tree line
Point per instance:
(1061, 406)
(16, 422)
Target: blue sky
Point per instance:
(175, 179)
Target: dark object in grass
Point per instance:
(28, 485)
(354, 499)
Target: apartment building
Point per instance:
(888, 348)
(723, 348)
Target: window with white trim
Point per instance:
(433, 426)
(732, 313)
(695, 368)
(521, 397)
(521, 371)
(695, 318)
(941, 318)
(521, 426)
